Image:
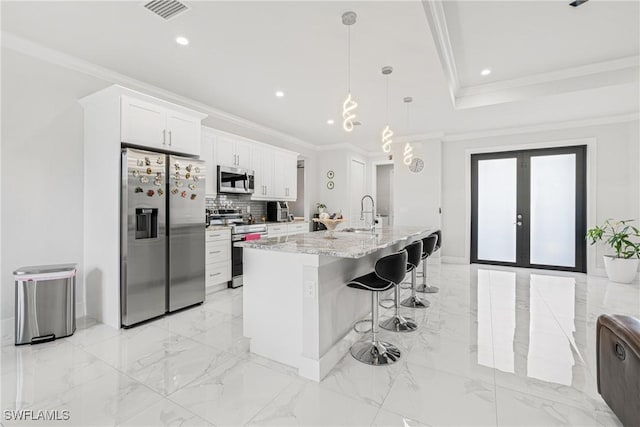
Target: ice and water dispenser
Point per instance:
(146, 223)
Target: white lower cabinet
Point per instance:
(218, 257)
(287, 229)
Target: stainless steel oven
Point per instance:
(235, 180)
(239, 233)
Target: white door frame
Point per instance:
(374, 178)
(591, 144)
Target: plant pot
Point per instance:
(621, 270)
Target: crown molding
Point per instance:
(38, 51)
(434, 11)
(606, 73)
(545, 127)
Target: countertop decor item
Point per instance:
(320, 207)
(331, 225)
(624, 239)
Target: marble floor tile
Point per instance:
(520, 409)
(436, 398)
(390, 419)
(510, 346)
(192, 322)
(233, 393)
(227, 336)
(179, 363)
(165, 413)
(305, 403)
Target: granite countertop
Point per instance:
(345, 245)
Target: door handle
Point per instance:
(164, 136)
(519, 216)
(518, 223)
(169, 138)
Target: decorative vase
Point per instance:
(321, 210)
(621, 270)
(331, 225)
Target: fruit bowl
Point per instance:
(331, 225)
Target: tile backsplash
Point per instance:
(258, 208)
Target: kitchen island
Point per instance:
(297, 308)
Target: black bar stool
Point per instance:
(399, 323)
(388, 272)
(429, 245)
(414, 253)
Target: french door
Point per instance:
(528, 208)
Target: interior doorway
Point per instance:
(528, 208)
(384, 192)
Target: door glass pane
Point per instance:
(553, 210)
(497, 209)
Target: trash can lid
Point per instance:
(45, 269)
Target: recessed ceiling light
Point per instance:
(330, 122)
(279, 93)
(485, 72)
(182, 41)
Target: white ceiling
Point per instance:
(242, 52)
(517, 39)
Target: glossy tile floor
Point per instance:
(497, 347)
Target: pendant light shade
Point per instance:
(349, 105)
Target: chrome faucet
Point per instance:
(372, 212)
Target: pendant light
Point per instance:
(387, 133)
(408, 149)
(349, 105)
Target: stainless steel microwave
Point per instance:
(235, 180)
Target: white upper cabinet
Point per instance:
(262, 166)
(153, 125)
(233, 152)
(143, 123)
(207, 154)
(183, 133)
(285, 179)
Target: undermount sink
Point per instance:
(356, 230)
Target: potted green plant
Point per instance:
(320, 207)
(624, 239)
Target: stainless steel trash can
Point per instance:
(45, 303)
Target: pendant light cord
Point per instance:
(387, 99)
(349, 59)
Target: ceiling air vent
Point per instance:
(166, 9)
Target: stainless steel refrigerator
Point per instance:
(162, 245)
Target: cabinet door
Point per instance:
(143, 123)
(279, 186)
(226, 151)
(243, 154)
(291, 177)
(183, 133)
(268, 170)
(207, 154)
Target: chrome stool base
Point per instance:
(427, 289)
(399, 323)
(415, 302)
(375, 352)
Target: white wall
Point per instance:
(417, 199)
(616, 176)
(42, 168)
(338, 161)
(383, 189)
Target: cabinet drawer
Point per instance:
(217, 235)
(299, 228)
(217, 252)
(218, 272)
(275, 229)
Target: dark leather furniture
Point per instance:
(414, 254)
(429, 244)
(618, 356)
